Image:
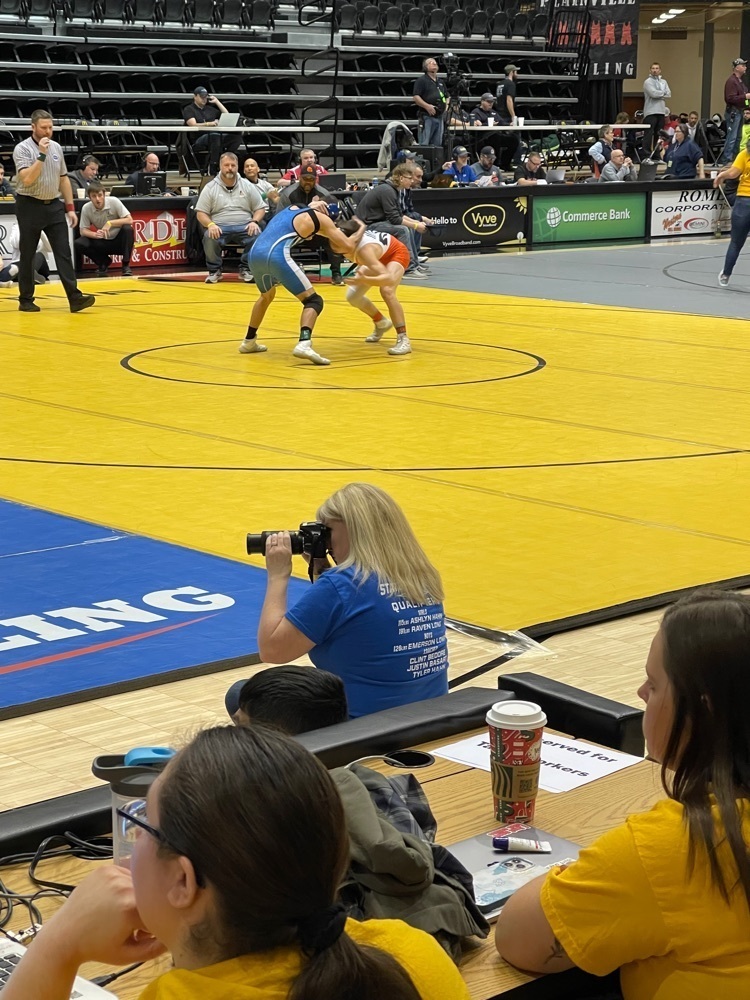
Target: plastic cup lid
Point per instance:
(516, 715)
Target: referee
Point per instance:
(41, 177)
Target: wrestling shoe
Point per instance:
(401, 347)
(304, 350)
(723, 279)
(252, 347)
(380, 328)
(213, 277)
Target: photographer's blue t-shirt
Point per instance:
(387, 651)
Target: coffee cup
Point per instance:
(521, 121)
(714, 173)
(516, 729)
(185, 192)
(490, 120)
(81, 192)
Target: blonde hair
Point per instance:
(382, 542)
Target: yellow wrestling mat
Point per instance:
(554, 458)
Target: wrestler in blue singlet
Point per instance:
(270, 257)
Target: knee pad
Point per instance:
(315, 302)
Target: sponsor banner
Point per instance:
(612, 27)
(691, 212)
(158, 238)
(471, 219)
(585, 217)
(83, 606)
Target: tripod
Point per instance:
(454, 125)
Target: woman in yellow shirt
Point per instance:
(665, 897)
(242, 846)
(740, 211)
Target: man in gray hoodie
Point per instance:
(655, 93)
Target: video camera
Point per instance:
(455, 80)
(312, 539)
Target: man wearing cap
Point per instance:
(506, 96)
(485, 171)
(430, 97)
(205, 112)
(307, 192)
(458, 168)
(307, 158)
(735, 95)
(505, 146)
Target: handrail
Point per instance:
(334, 62)
(324, 12)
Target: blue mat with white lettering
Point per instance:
(87, 611)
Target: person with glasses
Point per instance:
(235, 871)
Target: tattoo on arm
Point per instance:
(556, 951)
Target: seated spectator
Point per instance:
(306, 192)
(151, 165)
(268, 192)
(619, 136)
(698, 131)
(9, 268)
(505, 144)
(619, 168)
(106, 228)
(230, 209)
(307, 158)
(380, 209)
(85, 174)
(671, 121)
(601, 151)
(352, 620)
(291, 698)
(204, 112)
(485, 167)
(238, 855)
(458, 168)
(665, 897)
(530, 171)
(5, 189)
(684, 157)
(407, 205)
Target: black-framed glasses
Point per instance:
(132, 818)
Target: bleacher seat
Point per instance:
(144, 11)
(478, 25)
(457, 24)
(369, 22)
(498, 28)
(392, 20)
(520, 27)
(414, 24)
(173, 12)
(261, 14)
(435, 26)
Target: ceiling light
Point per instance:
(676, 10)
(656, 20)
(667, 17)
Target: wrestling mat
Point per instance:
(554, 458)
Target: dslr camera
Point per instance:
(312, 539)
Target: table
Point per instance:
(461, 800)
(281, 129)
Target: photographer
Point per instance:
(430, 97)
(375, 619)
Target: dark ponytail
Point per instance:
(265, 825)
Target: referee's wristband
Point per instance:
(70, 208)
(42, 157)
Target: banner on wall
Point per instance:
(612, 27)
(158, 238)
(472, 219)
(692, 212)
(581, 218)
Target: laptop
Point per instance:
(556, 175)
(122, 191)
(332, 182)
(442, 181)
(497, 875)
(647, 171)
(228, 119)
(12, 953)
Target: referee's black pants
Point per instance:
(35, 217)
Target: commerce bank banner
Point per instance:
(586, 217)
(691, 212)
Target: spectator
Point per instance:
(205, 111)
(698, 133)
(230, 209)
(9, 272)
(601, 151)
(407, 205)
(684, 158)
(505, 144)
(506, 96)
(740, 211)
(290, 698)
(665, 897)
(430, 97)
(655, 93)
(735, 95)
(619, 135)
(106, 229)
(530, 171)
(304, 193)
(349, 620)
(239, 853)
(458, 168)
(484, 169)
(619, 168)
(268, 192)
(150, 165)
(5, 189)
(86, 173)
(307, 158)
(381, 211)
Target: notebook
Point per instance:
(556, 175)
(12, 953)
(647, 171)
(332, 182)
(228, 119)
(497, 875)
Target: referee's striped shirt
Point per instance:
(47, 184)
